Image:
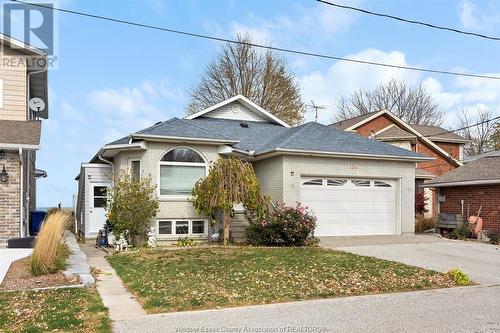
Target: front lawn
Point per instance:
(67, 310)
(204, 278)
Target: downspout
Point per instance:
(112, 167)
(21, 192)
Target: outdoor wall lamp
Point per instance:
(4, 176)
(2, 153)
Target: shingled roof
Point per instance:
(257, 138)
(15, 133)
(485, 170)
(437, 133)
(344, 124)
(394, 132)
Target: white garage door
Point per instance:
(348, 207)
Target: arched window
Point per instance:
(180, 168)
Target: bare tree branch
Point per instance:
(261, 77)
(480, 135)
(413, 104)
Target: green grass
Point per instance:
(67, 310)
(203, 278)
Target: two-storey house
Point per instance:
(23, 81)
(446, 148)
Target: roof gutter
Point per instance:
(351, 155)
(182, 139)
(463, 183)
(110, 163)
(18, 146)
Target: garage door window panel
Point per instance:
(382, 184)
(313, 182)
(336, 182)
(361, 183)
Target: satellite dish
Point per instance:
(36, 104)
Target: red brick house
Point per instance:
(20, 129)
(433, 141)
(471, 186)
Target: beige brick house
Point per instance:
(20, 127)
(354, 185)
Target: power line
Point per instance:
(462, 128)
(279, 49)
(397, 18)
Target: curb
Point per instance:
(77, 261)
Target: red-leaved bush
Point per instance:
(420, 201)
(283, 226)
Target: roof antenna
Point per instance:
(316, 108)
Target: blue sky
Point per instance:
(114, 79)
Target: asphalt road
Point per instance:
(467, 309)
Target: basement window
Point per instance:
(182, 228)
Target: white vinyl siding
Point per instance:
(235, 111)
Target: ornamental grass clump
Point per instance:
(50, 253)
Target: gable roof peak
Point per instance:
(266, 115)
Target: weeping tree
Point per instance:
(230, 181)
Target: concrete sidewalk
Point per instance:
(8, 256)
(121, 304)
(468, 309)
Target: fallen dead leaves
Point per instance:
(67, 310)
(203, 278)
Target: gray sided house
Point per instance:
(354, 185)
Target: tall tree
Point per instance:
(262, 77)
(479, 135)
(495, 138)
(413, 104)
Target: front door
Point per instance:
(98, 207)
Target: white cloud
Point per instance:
(342, 78)
(68, 111)
(128, 109)
(473, 17)
(320, 21)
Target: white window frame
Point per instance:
(178, 197)
(131, 162)
(190, 234)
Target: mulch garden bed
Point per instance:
(19, 277)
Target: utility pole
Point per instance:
(316, 108)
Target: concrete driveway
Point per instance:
(7, 256)
(480, 261)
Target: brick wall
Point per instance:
(440, 165)
(451, 148)
(9, 198)
(376, 125)
(475, 196)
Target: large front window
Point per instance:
(180, 168)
